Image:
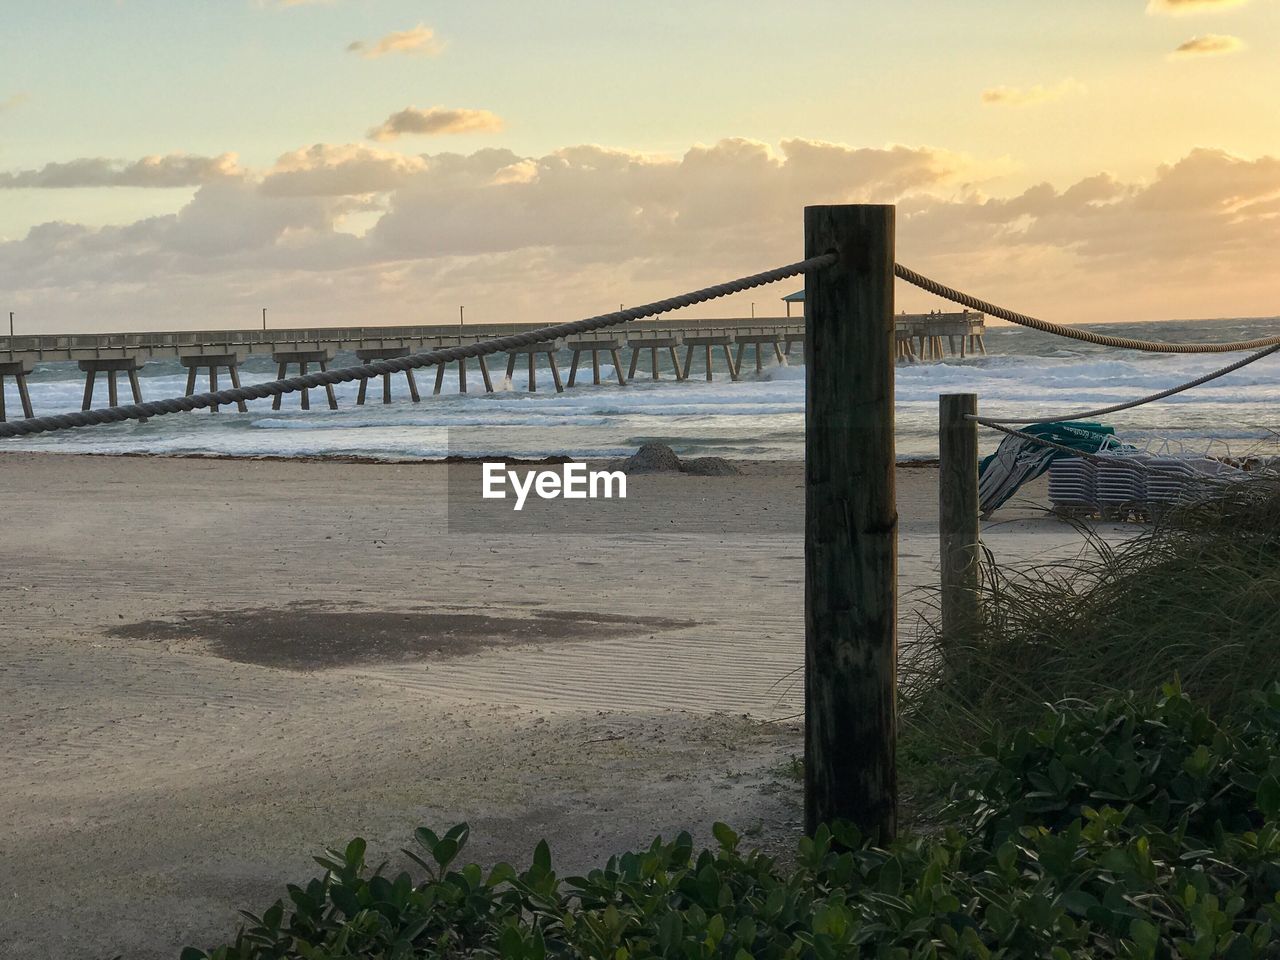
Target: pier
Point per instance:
(919, 337)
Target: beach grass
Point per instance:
(1197, 598)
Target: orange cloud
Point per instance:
(420, 40)
(435, 120)
(1028, 96)
(1208, 45)
(583, 223)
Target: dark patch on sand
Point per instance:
(306, 637)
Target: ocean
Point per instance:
(1025, 373)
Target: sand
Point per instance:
(211, 669)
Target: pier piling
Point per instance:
(211, 362)
(111, 367)
(386, 353)
(18, 370)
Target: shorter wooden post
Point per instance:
(306, 392)
(329, 393)
(555, 371)
(275, 402)
(959, 531)
(234, 372)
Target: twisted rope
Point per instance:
(1088, 414)
(275, 388)
(1074, 333)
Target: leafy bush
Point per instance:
(1134, 829)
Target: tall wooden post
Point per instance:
(959, 533)
(851, 521)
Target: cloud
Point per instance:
(334, 228)
(1208, 45)
(435, 120)
(12, 101)
(339, 170)
(420, 40)
(1180, 8)
(1028, 96)
(173, 170)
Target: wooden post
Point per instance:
(959, 532)
(24, 396)
(851, 522)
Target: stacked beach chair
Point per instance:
(1121, 482)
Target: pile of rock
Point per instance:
(660, 458)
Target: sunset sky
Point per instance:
(182, 163)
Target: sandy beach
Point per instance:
(210, 669)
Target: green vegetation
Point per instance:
(1197, 598)
(1108, 825)
(1130, 829)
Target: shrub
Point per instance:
(1055, 848)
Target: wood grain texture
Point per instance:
(959, 533)
(850, 522)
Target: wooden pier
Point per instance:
(918, 337)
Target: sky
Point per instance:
(170, 164)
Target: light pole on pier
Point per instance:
(264, 318)
(10, 323)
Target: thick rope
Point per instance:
(1089, 414)
(374, 368)
(1074, 333)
